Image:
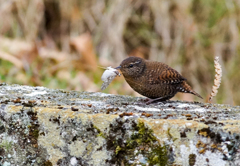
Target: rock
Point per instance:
(40, 126)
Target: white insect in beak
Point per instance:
(108, 76)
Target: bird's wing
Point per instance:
(167, 76)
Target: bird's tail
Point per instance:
(187, 89)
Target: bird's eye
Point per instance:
(131, 65)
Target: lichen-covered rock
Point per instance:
(40, 126)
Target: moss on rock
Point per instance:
(140, 142)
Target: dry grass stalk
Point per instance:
(217, 80)
(8, 57)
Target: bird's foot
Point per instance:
(149, 101)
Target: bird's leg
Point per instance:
(149, 101)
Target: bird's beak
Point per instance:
(118, 67)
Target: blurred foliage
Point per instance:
(60, 44)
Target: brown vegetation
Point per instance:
(58, 44)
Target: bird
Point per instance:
(155, 80)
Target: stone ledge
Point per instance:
(40, 126)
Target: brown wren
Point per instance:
(155, 80)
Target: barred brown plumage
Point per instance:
(154, 80)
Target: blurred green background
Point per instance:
(61, 43)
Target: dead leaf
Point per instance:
(84, 46)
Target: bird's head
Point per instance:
(132, 66)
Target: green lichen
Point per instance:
(6, 145)
(170, 135)
(159, 156)
(118, 149)
(95, 127)
(142, 141)
(100, 133)
(144, 134)
(35, 133)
